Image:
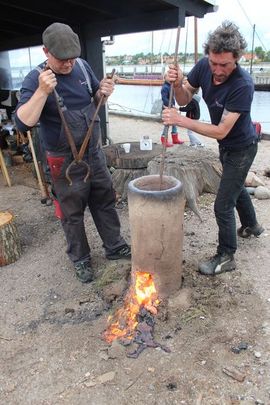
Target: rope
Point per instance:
(244, 12)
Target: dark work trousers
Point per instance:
(232, 194)
(97, 193)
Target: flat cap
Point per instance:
(61, 41)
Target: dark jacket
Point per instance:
(165, 94)
(192, 109)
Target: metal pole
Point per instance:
(252, 50)
(195, 40)
(166, 129)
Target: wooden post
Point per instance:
(4, 169)
(10, 248)
(40, 182)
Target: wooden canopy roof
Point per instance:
(22, 22)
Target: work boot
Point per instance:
(123, 252)
(219, 263)
(164, 140)
(247, 231)
(175, 139)
(84, 271)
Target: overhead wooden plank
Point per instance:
(22, 24)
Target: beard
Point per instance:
(220, 78)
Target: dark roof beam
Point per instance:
(34, 12)
(104, 10)
(8, 31)
(197, 9)
(17, 20)
(147, 22)
(20, 42)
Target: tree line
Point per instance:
(150, 58)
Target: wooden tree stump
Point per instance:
(121, 178)
(10, 248)
(199, 170)
(136, 159)
(128, 166)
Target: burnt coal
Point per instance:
(144, 334)
(146, 316)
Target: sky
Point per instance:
(244, 13)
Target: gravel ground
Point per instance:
(217, 329)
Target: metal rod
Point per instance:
(195, 40)
(162, 163)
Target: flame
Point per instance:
(143, 293)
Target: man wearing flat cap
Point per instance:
(65, 83)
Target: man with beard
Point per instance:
(228, 92)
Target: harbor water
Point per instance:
(142, 100)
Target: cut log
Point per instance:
(128, 166)
(121, 178)
(199, 170)
(136, 159)
(10, 248)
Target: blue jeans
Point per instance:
(165, 132)
(232, 194)
(193, 139)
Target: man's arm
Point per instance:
(29, 113)
(171, 116)
(106, 87)
(183, 91)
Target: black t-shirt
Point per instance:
(234, 95)
(73, 90)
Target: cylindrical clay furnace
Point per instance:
(156, 212)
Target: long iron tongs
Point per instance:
(78, 156)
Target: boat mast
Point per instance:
(195, 40)
(152, 52)
(252, 50)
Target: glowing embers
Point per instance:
(134, 322)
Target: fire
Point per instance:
(141, 294)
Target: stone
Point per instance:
(253, 180)
(234, 373)
(250, 190)
(262, 193)
(107, 377)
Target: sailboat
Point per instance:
(140, 81)
(156, 79)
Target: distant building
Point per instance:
(247, 57)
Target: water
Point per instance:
(139, 100)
